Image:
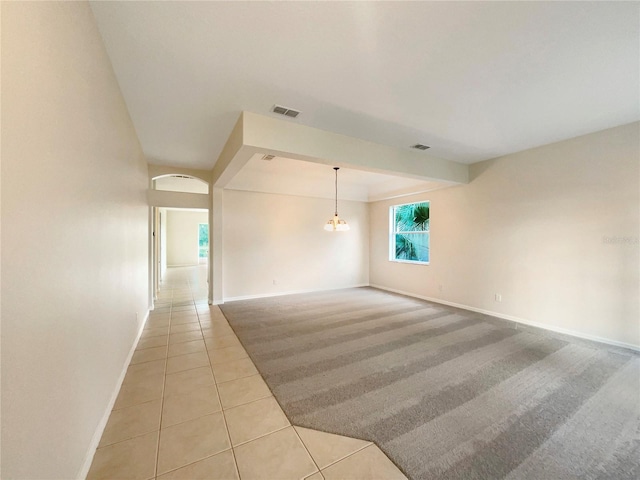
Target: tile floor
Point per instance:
(193, 406)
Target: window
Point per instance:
(409, 233)
(203, 240)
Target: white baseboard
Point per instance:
(523, 321)
(95, 441)
(293, 292)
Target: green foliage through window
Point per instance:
(410, 232)
(203, 240)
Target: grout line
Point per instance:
(196, 461)
(261, 436)
(349, 455)
(224, 418)
(128, 438)
(254, 401)
(239, 378)
(164, 382)
(306, 449)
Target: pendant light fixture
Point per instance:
(336, 224)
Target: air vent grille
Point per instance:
(180, 176)
(420, 146)
(288, 112)
(268, 157)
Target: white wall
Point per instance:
(536, 227)
(74, 237)
(271, 237)
(182, 236)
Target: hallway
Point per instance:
(193, 406)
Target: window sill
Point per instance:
(412, 262)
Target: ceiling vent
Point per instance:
(419, 146)
(268, 157)
(287, 112)
(179, 176)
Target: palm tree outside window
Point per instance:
(409, 239)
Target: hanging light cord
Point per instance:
(336, 169)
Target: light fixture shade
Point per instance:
(336, 224)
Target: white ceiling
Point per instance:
(474, 80)
(295, 177)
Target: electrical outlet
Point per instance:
(274, 281)
(440, 288)
(498, 297)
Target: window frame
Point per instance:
(393, 232)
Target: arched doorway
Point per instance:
(179, 226)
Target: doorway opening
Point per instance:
(179, 226)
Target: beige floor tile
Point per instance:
(144, 390)
(154, 332)
(184, 319)
(137, 372)
(217, 343)
(228, 354)
(215, 310)
(130, 422)
(197, 403)
(185, 337)
(369, 463)
(162, 302)
(187, 362)
(187, 347)
(191, 441)
(161, 317)
(315, 476)
(133, 459)
(152, 342)
(279, 455)
(327, 448)
(157, 323)
(220, 321)
(149, 354)
(213, 321)
(255, 419)
(233, 370)
(191, 320)
(191, 308)
(217, 330)
(185, 327)
(220, 467)
(242, 390)
(184, 382)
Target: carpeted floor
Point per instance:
(446, 393)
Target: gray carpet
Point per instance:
(446, 393)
